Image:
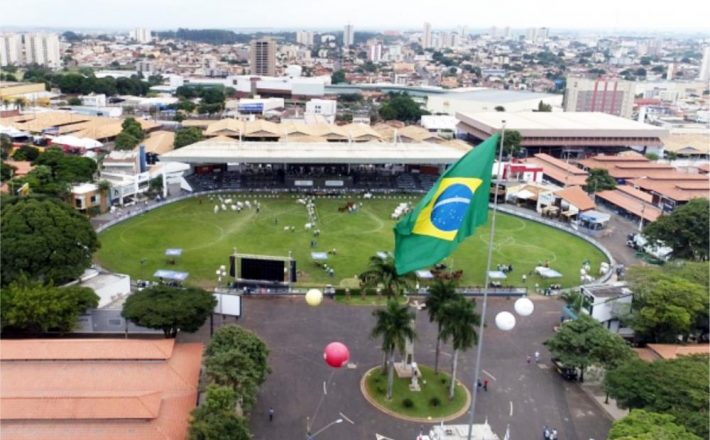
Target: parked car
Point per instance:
(568, 373)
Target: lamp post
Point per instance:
(310, 436)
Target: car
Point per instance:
(568, 373)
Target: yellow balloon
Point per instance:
(314, 297)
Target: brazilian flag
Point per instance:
(451, 211)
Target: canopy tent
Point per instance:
(73, 141)
(424, 274)
(174, 252)
(319, 256)
(546, 272)
(594, 217)
(170, 275)
(525, 195)
(13, 132)
(497, 275)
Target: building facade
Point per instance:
(34, 48)
(606, 95)
(705, 65)
(263, 57)
(349, 36)
(426, 36)
(141, 35)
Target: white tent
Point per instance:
(546, 272)
(73, 141)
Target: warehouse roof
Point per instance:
(227, 150)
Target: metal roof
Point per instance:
(227, 150)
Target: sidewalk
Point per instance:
(597, 394)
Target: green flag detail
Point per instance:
(451, 211)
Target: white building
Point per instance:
(705, 66)
(607, 303)
(486, 100)
(305, 38)
(374, 52)
(35, 48)
(426, 36)
(10, 49)
(141, 35)
(349, 36)
(323, 107)
(93, 100)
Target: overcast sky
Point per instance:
(643, 15)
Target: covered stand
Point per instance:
(546, 272)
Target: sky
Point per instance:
(614, 15)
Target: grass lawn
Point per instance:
(432, 401)
(207, 240)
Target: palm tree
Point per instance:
(394, 325)
(459, 321)
(440, 293)
(382, 272)
(19, 103)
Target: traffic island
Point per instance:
(430, 404)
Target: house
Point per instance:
(88, 198)
(607, 303)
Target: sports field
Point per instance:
(208, 238)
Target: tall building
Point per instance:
(20, 49)
(305, 38)
(537, 35)
(10, 49)
(705, 66)
(426, 37)
(263, 57)
(606, 95)
(348, 36)
(374, 52)
(141, 35)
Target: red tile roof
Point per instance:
(560, 171)
(138, 391)
(631, 204)
(576, 196)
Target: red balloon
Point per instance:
(336, 354)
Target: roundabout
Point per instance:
(429, 405)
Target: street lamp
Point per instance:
(310, 436)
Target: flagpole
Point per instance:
(477, 369)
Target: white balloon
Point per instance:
(524, 307)
(314, 297)
(505, 321)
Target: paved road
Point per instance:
(524, 396)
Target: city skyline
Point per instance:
(366, 15)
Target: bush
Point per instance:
(408, 403)
(434, 401)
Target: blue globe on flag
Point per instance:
(450, 207)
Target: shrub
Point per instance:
(408, 403)
(434, 401)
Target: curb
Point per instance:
(391, 413)
(599, 404)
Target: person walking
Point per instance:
(271, 414)
(529, 359)
(537, 357)
(485, 385)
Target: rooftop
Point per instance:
(227, 150)
(75, 389)
(576, 196)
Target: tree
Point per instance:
(499, 108)
(338, 77)
(599, 180)
(511, 142)
(542, 107)
(187, 136)
(685, 230)
(67, 168)
(584, 342)
(6, 171)
(440, 294)
(402, 108)
(382, 272)
(133, 127)
(33, 307)
(235, 369)
(74, 101)
(645, 425)
(459, 321)
(234, 337)
(126, 141)
(170, 309)
(678, 387)
(45, 240)
(666, 304)
(26, 152)
(215, 418)
(394, 325)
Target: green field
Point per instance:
(207, 239)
